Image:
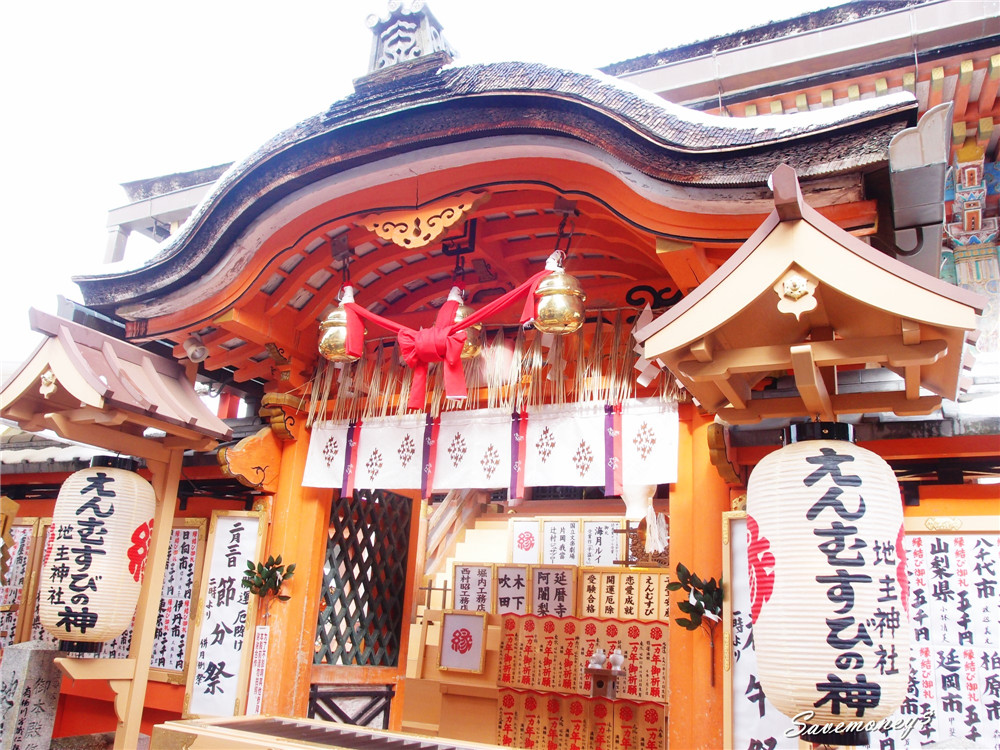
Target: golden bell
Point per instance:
(473, 334)
(333, 337)
(559, 309)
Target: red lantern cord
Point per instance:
(440, 343)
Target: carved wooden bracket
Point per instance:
(118, 672)
(412, 228)
(277, 409)
(718, 451)
(255, 461)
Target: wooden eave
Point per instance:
(870, 311)
(95, 389)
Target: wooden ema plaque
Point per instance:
(549, 721)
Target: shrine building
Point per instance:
(492, 351)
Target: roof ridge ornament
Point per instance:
(408, 41)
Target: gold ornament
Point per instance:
(560, 304)
(473, 334)
(333, 336)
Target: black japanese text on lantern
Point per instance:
(75, 547)
(845, 551)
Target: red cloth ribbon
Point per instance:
(442, 342)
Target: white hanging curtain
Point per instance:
(649, 441)
(325, 460)
(390, 453)
(566, 445)
(473, 450)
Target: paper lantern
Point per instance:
(828, 584)
(96, 555)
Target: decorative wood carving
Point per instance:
(420, 227)
(255, 461)
(277, 409)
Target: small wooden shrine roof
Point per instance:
(804, 296)
(96, 389)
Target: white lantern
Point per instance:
(828, 583)
(96, 555)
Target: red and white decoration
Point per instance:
(390, 452)
(463, 641)
(828, 587)
(473, 450)
(327, 451)
(565, 445)
(95, 560)
(649, 441)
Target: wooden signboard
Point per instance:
(472, 587)
(589, 599)
(182, 578)
(600, 544)
(223, 628)
(560, 542)
(553, 590)
(513, 589)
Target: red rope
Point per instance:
(442, 342)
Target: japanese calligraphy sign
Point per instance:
(463, 641)
(182, 576)
(590, 593)
(553, 590)
(548, 653)
(512, 586)
(955, 660)
(526, 542)
(601, 542)
(258, 670)
(752, 721)
(473, 587)
(623, 593)
(217, 685)
(13, 595)
(560, 542)
(548, 721)
(171, 645)
(953, 673)
(827, 580)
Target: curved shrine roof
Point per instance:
(384, 118)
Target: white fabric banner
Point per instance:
(649, 441)
(473, 450)
(325, 460)
(565, 445)
(390, 453)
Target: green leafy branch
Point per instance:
(264, 579)
(703, 606)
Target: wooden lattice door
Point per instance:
(364, 580)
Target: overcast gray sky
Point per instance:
(96, 94)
